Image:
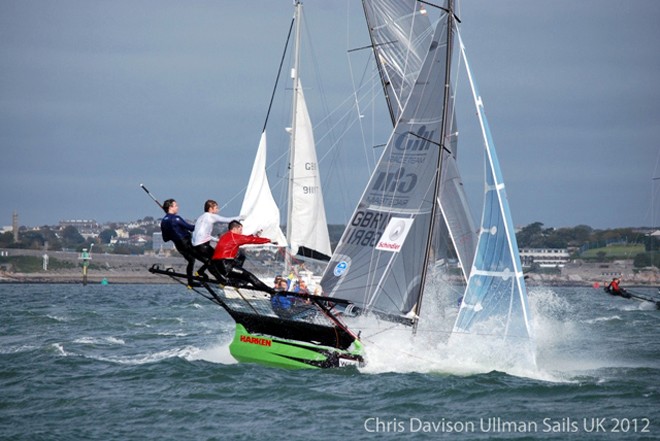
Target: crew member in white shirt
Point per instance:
(202, 238)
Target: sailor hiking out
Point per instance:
(177, 230)
(226, 263)
(203, 241)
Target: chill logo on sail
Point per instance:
(399, 181)
(392, 189)
(395, 234)
(412, 143)
(397, 178)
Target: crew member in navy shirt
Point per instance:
(176, 229)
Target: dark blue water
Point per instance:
(147, 362)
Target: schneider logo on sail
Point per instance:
(395, 234)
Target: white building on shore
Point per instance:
(544, 257)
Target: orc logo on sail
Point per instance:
(340, 268)
(395, 234)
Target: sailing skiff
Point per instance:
(412, 214)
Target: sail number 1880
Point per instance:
(364, 237)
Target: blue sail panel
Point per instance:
(495, 300)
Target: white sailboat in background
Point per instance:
(306, 224)
(307, 227)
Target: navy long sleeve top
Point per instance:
(175, 228)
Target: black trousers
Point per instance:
(186, 249)
(204, 252)
(233, 272)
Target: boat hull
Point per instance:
(273, 351)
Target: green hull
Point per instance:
(291, 354)
(307, 335)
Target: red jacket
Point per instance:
(227, 247)
(614, 286)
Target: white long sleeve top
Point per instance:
(204, 227)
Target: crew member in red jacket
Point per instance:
(614, 288)
(225, 259)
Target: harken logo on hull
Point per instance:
(256, 340)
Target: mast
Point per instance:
(443, 134)
(292, 150)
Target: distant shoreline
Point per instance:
(130, 269)
(144, 277)
(115, 268)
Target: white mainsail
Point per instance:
(307, 229)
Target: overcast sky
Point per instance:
(97, 97)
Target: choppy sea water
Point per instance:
(147, 362)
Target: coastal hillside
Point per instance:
(27, 266)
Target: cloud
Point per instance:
(98, 97)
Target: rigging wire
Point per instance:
(279, 72)
(336, 124)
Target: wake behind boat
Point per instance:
(614, 289)
(413, 206)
